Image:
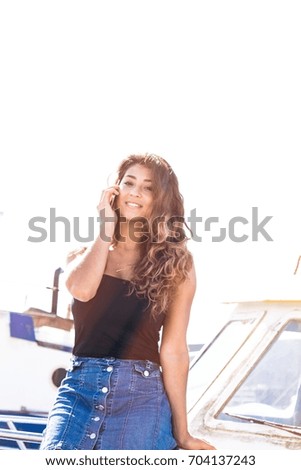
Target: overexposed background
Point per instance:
(214, 87)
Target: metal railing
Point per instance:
(21, 437)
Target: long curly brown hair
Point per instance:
(165, 260)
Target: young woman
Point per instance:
(132, 292)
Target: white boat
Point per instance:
(36, 347)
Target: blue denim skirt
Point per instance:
(110, 404)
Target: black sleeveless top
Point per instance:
(115, 324)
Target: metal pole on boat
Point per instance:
(55, 290)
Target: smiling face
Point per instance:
(136, 192)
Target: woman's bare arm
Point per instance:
(175, 363)
(86, 266)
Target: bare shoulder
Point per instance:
(177, 317)
(188, 286)
(183, 295)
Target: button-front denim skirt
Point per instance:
(110, 403)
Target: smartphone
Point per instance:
(114, 197)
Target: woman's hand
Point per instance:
(107, 215)
(193, 443)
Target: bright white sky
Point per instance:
(214, 87)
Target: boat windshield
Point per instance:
(214, 356)
(272, 390)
